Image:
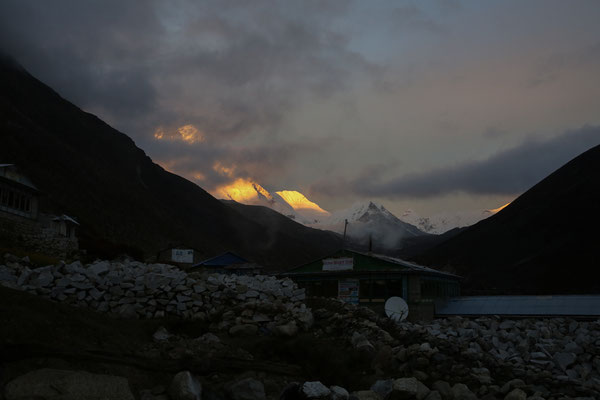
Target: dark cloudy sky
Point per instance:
(435, 105)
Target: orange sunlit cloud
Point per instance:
(199, 176)
(223, 170)
(186, 133)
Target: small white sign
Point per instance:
(338, 264)
(182, 255)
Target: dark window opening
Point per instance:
(379, 289)
(394, 287)
(364, 291)
(321, 288)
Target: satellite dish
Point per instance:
(396, 309)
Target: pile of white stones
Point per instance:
(131, 289)
(548, 358)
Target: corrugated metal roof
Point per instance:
(66, 218)
(582, 305)
(12, 174)
(368, 262)
(411, 265)
(224, 259)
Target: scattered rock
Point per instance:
(383, 387)
(434, 395)
(290, 329)
(185, 387)
(247, 389)
(443, 388)
(338, 393)
(516, 394)
(161, 334)
(564, 360)
(460, 391)
(404, 388)
(315, 390)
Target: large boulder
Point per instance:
(339, 393)
(382, 387)
(185, 387)
(404, 388)
(564, 360)
(315, 390)
(460, 391)
(443, 388)
(516, 394)
(72, 385)
(288, 330)
(247, 389)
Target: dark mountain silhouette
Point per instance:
(124, 201)
(546, 241)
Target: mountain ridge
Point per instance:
(533, 245)
(123, 200)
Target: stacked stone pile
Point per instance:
(548, 358)
(241, 305)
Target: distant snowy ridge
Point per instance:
(443, 222)
(369, 221)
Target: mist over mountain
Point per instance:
(545, 241)
(368, 222)
(122, 199)
(372, 224)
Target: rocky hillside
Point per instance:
(125, 202)
(258, 338)
(543, 242)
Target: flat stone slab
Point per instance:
(68, 385)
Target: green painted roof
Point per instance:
(363, 262)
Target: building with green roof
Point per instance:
(370, 279)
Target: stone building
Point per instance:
(18, 195)
(23, 226)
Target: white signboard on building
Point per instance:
(182, 256)
(338, 264)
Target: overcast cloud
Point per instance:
(509, 172)
(344, 100)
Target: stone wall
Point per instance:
(131, 289)
(34, 236)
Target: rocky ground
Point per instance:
(131, 330)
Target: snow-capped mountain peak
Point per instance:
(290, 203)
(371, 220)
(302, 205)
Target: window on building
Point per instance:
(322, 288)
(379, 289)
(394, 287)
(364, 289)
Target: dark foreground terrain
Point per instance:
(252, 338)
